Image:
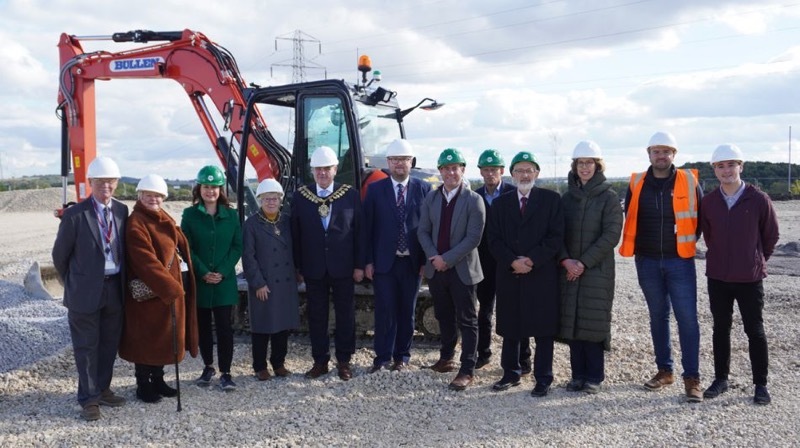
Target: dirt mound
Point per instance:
(42, 200)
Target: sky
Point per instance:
(535, 75)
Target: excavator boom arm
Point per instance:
(204, 70)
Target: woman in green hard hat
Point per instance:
(215, 238)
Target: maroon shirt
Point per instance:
(443, 239)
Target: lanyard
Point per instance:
(106, 229)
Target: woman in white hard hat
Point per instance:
(158, 255)
(272, 289)
(593, 224)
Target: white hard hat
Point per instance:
(588, 149)
(323, 156)
(725, 152)
(400, 148)
(154, 183)
(103, 168)
(269, 186)
(663, 139)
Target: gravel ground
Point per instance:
(38, 383)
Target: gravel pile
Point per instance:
(413, 408)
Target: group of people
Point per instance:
(544, 263)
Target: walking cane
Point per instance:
(175, 352)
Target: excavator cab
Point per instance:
(356, 122)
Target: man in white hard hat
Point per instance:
(661, 229)
(394, 256)
(740, 229)
(89, 256)
(327, 235)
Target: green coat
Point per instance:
(216, 246)
(593, 224)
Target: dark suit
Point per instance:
(453, 290)
(396, 278)
(486, 288)
(527, 304)
(94, 300)
(326, 259)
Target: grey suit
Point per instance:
(94, 300)
(453, 291)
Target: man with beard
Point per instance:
(492, 168)
(662, 209)
(526, 234)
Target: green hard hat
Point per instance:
(491, 157)
(524, 156)
(450, 156)
(211, 175)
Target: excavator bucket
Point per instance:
(43, 282)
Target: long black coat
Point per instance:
(593, 218)
(528, 304)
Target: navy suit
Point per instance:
(396, 278)
(326, 258)
(94, 300)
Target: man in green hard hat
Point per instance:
(526, 233)
(492, 168)
(451, 225)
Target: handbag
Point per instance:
(139, 289)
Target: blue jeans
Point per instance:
(672, 283)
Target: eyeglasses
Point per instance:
(522, 172)
(586, 163)
(270, 199)
(104, 180)
(397, 160)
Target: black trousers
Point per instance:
(454, 305)
(486, 299)
(221, 316)
(260, 343)
(750, 297)
(587, 360)
(319, 294)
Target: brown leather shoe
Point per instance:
(91, 412)
(281, 371)
(399, 366)
(344, 371)
(317, 370)
(461, 381)
(661, 379)
(263, 375)
(444, 366)
(109, 398)
(694, 394)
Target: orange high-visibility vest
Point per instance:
(684, 204)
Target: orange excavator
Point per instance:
(357, 120)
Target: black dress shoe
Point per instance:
(481, 363)
(377, 368)
(540, 390)
(717, 388)
(506, 382)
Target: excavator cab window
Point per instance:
(325, 124)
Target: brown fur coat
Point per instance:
(151, 242)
